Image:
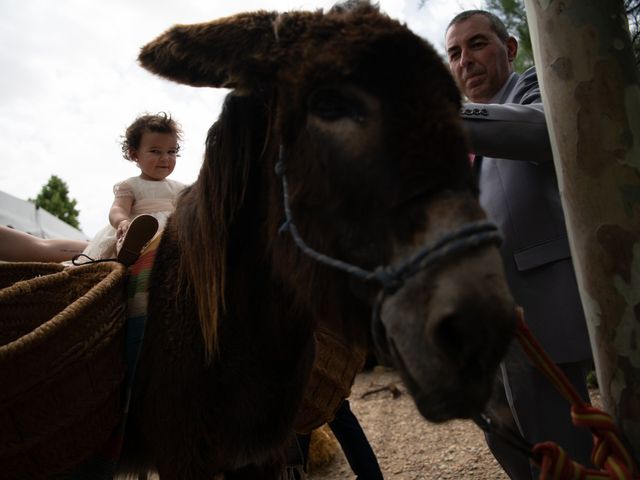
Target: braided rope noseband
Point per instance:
(392, 277)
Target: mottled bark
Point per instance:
(592, 98)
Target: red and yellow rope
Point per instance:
(609, 453)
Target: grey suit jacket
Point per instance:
(519, 191)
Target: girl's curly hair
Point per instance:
(159, 123)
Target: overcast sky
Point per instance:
(70, 85)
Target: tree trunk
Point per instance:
(591, 94)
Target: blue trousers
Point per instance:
(354, 444)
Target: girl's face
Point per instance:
(156, 155)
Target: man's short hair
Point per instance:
(496, 24)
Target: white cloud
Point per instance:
(71, 85)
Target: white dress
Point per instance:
(155, 198)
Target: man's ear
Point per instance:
(512, 48)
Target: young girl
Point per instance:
(142, 204)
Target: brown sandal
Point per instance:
(141, 231)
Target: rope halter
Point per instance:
(391, 278)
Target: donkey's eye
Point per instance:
(331, 104)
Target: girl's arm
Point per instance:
(16, 246)
(119, 214)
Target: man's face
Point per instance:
(479, 60)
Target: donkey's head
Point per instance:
(362, 119)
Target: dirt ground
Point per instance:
(407, 446)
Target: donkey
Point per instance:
(336, 190)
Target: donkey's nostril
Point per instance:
(450, 334)
(470, 339)
(464, 341)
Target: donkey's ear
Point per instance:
(231, 52)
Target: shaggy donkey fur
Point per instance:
(366, 117)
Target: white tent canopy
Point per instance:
(26, 217)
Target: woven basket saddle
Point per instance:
(62, 366)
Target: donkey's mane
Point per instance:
(205, 215)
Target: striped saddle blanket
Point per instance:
(103, 464)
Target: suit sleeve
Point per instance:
(515, 131)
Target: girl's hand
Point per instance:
(123, 226)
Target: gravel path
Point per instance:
(407, 446)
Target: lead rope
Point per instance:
(76, 260)
(609, 454)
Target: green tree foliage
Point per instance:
(54, 198)
(513, 15)
(632, 8)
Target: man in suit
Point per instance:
(519, 191)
